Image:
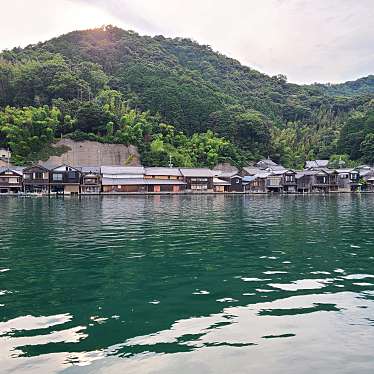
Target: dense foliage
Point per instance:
(117, 86)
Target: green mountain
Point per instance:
(114, 85)
(363, 85)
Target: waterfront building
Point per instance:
(164, 179)
(289, 181)
(198, 179)
(348, 180)
(91, 180)
(65, 180)
(257, 182)
(36, 179)
(11, 180)
(123, 179)
(220, 185)
(233, 178)
(274, 181)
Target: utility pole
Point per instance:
(170, 164)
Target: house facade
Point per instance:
(289, 181)
(198, 179)
(90, 180)
(123, 179)
(163, 179)
(65, 180)
(36, 179)
(11, 180)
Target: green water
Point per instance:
(187, 284)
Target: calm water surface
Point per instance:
(187, 284)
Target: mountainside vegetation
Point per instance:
(174, 99)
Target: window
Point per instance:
(289, 178)
(57, 177)
(38, 175)
(72, 174)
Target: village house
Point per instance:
(220, 185)
(256, 183)
(36, 179)
(233, 178)
(274, 181)
(164, 179)
(367, 179)
(123, 179)
(198, 179)
(91, 180)
(65, 180)
(305, 181)
(348, 180)
(289, 181)
(11, 180)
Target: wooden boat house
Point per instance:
(123, 179)
(198, 179)
(65, 180)
(91, 180)
(11, 180)
(36, 179)
(164, 179)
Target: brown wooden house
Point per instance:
(36, 179)
(289, 181)
(91, 180)
(198, 179)
(235, 180)
(11, 180)
(164, 179)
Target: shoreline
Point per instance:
(187, 194)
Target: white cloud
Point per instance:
(314, 40)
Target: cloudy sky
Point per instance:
(307, 40)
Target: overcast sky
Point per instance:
(307, 40)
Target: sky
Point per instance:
(306, 40)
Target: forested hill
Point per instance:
(363, 85)
(172, 97)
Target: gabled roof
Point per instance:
(159, 171)
(68, 166)
(268, 162)
(251, 170)
(36, 166)
(220, 182)
(197, 172)
(15, 169)
(129, 170)
(316, 164)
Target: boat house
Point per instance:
(36, 179)
(65, 180)
(164, 179)
(123, 179)
(91, 180)
(11, 180)
(198, 179)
